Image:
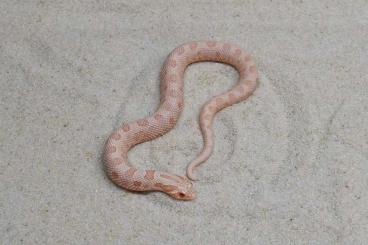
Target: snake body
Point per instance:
(171, 105)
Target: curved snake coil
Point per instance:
(168, 112)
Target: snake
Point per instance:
(130, 134)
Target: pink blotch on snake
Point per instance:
(171, 105)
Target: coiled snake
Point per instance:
(171, 105)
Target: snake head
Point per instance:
(178, 187)
(184, 192)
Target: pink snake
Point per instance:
(167, 114)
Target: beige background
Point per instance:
(290, 164)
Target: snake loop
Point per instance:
(167, 114)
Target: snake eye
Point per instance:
(181, 195)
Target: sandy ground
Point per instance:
(290, 164)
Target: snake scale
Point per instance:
(171, 105)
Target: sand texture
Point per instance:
(290, 164)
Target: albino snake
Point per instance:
(167, 114)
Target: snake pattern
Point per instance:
(171, 105)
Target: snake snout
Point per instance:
(185, 195)
(185, 190)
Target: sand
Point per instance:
(289, 166)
